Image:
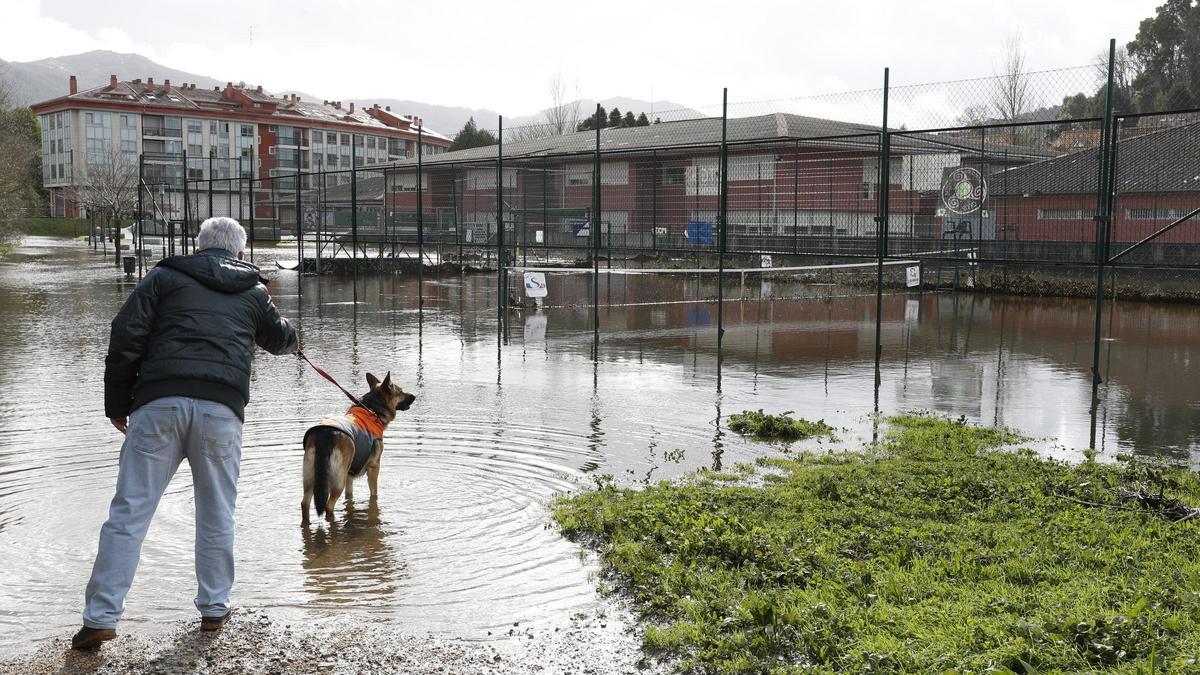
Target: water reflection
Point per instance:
(502, 428)
(349, 559)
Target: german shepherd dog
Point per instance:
(340, 449)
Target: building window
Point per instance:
(579, 174)
(669, 176)
(1156, 214)
(1063, 214)
(98, 137)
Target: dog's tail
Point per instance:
(323, 446)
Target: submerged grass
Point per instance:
(938, 552)
(777, 428)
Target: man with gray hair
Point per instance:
(176, 383)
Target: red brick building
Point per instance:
(228, 134)
(1157, 182)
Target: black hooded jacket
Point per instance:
(189, 329)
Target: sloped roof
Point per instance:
(706, 132)
(1162, 161)
(275, 110)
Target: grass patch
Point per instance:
(5, 249)
(777, 428)
(53, 227)
(936, 553)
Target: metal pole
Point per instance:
(187, 204)
(321, 197)
(354, 215)
(457, 224)
(1103, 216)
(210, 186)
(420, 221)
(524, 240)
(390, 227)
(141, 217)
(1007, 200)
(722, 217)
(250, 195)
(796, 200)
(595, 235)
(299, 230)
(501, 301)
(881, 232)
(654, 204)
(545, 196)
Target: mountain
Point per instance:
(448, 120)
(35, 81)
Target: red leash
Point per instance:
(329, 377)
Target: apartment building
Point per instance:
(227, 135)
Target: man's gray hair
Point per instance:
(221, 232)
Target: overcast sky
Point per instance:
(502, 55)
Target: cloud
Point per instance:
(502, 55)
(27, 34)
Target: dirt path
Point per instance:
(254, 642)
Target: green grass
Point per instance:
(776, 428)
(53, 227)
(937, 552)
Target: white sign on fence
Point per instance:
(912, 276)
(538, 237)
(766, 261)
(660, 231)
(535, 284)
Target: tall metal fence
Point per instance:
(1021, 182)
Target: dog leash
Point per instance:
(329, 377)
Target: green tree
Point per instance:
(590, 123)
(21, 192)
(614, 117)
(1166, 58)
(1074, 106)
(471, 136)
(629, 120)
(642, 120)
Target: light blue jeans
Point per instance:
(159, 436)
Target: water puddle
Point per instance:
(458, 543)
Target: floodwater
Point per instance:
(459, 544)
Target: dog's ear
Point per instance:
(372, 381)
(387, 380)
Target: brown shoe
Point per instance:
(215, 622)
(92, 638)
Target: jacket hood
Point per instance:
(216, 269)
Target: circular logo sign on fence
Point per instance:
(964, 191)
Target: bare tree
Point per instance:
(974, 116)
(1125, 68)
(563, 115)
(1011, 99)
(108, 187)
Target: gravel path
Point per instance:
(254, 642)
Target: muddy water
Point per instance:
(458, 544)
